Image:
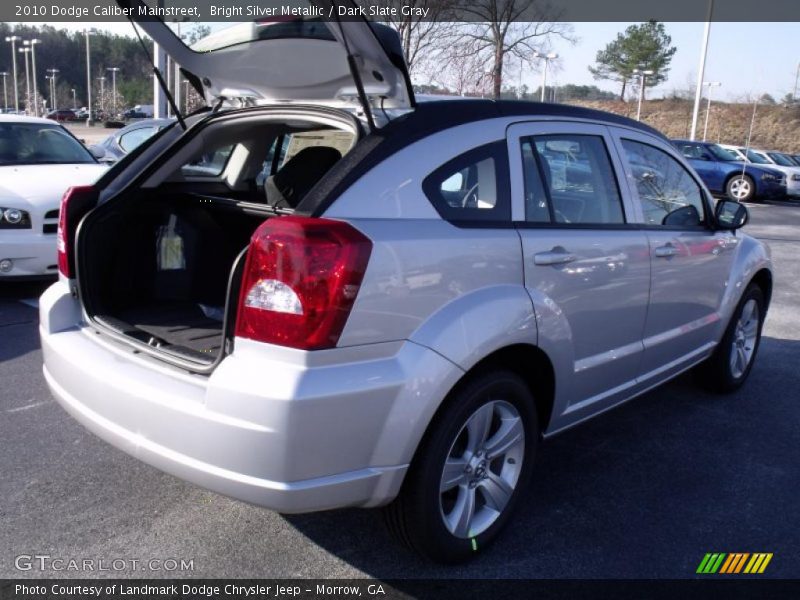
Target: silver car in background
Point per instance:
(415, 296)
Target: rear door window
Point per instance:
(569, 179)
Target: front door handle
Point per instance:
(556, 256)
(666, 251)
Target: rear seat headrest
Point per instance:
(298, 175)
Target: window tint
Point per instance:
(472, 186)
(569, 179)
(668, 194)
(134, 138)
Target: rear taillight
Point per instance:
(300, 281)
(75, 203)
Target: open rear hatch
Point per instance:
(285, 59)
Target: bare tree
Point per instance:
(500, 31)
(421, 36)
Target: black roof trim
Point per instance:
(432, 117)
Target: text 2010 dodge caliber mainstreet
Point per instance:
(337, 296)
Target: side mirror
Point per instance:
(97, 151)
(731, 215)
(685, 216)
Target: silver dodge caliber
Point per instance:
(322, 293)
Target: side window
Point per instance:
(668, 194)
(473, 186)
(134, 138)
(570, 179)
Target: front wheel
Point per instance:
(469, 471)
(727, 369)
(741, 188)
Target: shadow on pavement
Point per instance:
(640, 492)
(18, 333)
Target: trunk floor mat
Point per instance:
(182, 325)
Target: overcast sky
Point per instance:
(747, 58)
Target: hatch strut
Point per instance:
(159, 77)
(351, 62)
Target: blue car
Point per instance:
(725, 174)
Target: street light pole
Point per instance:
(32, 43)
(26, 52)
(701, 72)
(5, 92)
(13, 39)
(547, 58)
(90, 118)
(53, 103)
(642, 74)
(711, 85)
(796, 78)
(74, 100)
(114, 87)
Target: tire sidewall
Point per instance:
(443, 546)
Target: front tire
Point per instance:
(741, 188)
(730, 364)
(470, 470)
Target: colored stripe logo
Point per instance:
(734, 562)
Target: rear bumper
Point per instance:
(33, 254)
(266, 427)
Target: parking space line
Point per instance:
(28, 406)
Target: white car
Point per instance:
(774, 160)
(39, 160)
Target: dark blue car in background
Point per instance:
(724, 173)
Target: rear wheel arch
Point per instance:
(528, 362)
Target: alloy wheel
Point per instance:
(482, 469)
(744, 338)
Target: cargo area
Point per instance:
(159, 270)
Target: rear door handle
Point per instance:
(666, 251)
(556, 256)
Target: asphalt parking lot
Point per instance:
(641, 492)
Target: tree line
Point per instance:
(482, 58)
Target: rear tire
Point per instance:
(729, 366)
(470, 470)
(741, 188)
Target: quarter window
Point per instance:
(472, 187)
(570, 179)
(669, 196)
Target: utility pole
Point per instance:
(26, 52)
(13, 39)
(90, 118)
(74, 100)
(32, 43)
(547, 58)
(114, 71)
(642, 74)
(53, 102)
(701, 71)
(5, 92)
(711, 85)
(796, 78)
(102, 80)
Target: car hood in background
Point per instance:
(43, 185)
